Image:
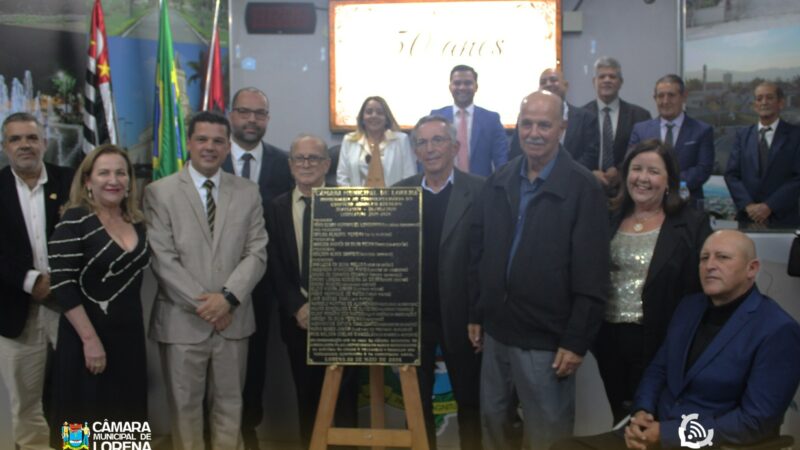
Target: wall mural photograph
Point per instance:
(730, 46)
(44, 71)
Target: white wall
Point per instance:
(293, 69)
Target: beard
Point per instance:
(250, 137)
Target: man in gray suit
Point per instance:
(447, 198)
(206, 230)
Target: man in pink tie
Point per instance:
(481, 136)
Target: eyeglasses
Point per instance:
(436, 141)
(312, 160)
(260, 114)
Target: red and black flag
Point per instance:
(99, 126)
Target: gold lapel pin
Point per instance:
(53, 196)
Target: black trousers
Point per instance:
(253, 392)
(308, 384)
(620, 358)
(463, 368)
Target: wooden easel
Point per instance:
(376, 437)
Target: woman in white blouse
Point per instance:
(377, 134)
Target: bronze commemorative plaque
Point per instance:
(364, 277)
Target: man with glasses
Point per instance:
(265, 165)
(289, 224)
(447, 202)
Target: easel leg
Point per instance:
(413, 406)
(376, 403)
(327, 407)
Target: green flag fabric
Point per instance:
(169, 134)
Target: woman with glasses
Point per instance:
(377, 154)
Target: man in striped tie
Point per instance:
(206, 231)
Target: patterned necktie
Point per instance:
(763, 151)
(211, 206)
(375, 167)
(462, 161)
(607, 149)
(304, 268)
(668, 138)
(247, 157)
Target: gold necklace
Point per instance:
(639, 221)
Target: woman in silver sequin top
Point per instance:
(654, 263)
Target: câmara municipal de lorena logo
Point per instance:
(75, 436)
(106, 435)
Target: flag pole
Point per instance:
(210, 63)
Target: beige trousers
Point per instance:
(214, 368)
(22, 368)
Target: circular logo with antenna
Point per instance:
(693, 434)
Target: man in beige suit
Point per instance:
(206, 230)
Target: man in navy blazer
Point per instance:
(692, 139)
(730, 364)
(728, 368)
(763, 173)
(580, 138)
(266, 165)
(488, 144)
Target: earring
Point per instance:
(127, 192)
(89, 193)
(666, 192)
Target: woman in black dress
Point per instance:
(97, 254)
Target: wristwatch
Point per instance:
(230, 298)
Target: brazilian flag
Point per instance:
(169, 134)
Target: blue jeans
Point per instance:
(510, 374)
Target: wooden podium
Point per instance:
(377, 436)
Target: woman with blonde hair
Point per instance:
(97, 254)
(377, 154)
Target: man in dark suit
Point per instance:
(615, 119)
(448, 196)
(692, 140)
(266, 165)
(289, 226)
(485, 145)
(728, 368)
(763, 173)
(580, 138)
(31, 193)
